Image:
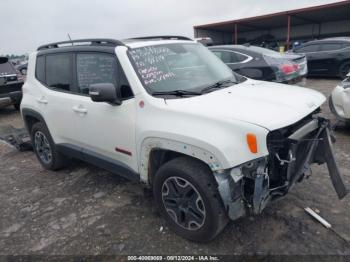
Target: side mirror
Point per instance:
(104, 92)
(3, 60)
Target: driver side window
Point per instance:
(94, 68)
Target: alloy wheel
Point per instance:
(183, 203)
(42, 147)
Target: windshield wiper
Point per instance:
(179, 92)
(217, 85)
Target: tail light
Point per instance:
(288, 68)
(284, 68)
(296, 67)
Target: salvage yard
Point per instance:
(83, 210)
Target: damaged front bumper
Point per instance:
(249, 187)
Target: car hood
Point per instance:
(266, 104)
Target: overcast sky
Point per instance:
(26, 24)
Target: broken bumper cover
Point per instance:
(249, 187)
(320, 150)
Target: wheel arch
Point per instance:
(157, 151)
(30, 117)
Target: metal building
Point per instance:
(283, 28)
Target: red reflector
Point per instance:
(120, 150)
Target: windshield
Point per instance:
(180, 66)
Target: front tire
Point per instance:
(45, 148)
(186, 193)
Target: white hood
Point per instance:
(265, 104)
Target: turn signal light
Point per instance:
(252, 143)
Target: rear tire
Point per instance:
(344, 69)
(186, 194)
(45, 148)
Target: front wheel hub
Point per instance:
(183, 203)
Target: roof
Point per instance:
(250, 48)
(341, 38)
(110, 43)
(314, 15)
(331, 40)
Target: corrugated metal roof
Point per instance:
(309, 15)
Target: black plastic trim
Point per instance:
(162, 37)
(92, 41)
(99, 160)
(29, 112)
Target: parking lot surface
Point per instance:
(84, 210)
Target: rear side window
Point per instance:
(40, 69)
(307, 49)
(229, 57)
(93, 68)
(240, 57)
(59, 71)
(331, 47)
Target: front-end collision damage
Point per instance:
(249, 187)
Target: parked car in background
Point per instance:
(206, 41)
(261, 63)
(23, 68)
(339, 101)
(327, 57)
(11, 82)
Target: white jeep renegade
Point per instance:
(164, 110)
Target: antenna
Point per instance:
(70, 39)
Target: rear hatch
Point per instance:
(8, 73)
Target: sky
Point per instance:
(26, 24)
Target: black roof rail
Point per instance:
(92, 42)
(163, 37)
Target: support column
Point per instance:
(288, 34)
(236, 34)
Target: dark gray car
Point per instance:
(261, 63)
(327, 57)
(11, 82)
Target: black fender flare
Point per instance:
(26, 112)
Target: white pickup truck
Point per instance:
(164, 110)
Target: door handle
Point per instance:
(79, 109)
(42, 100)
